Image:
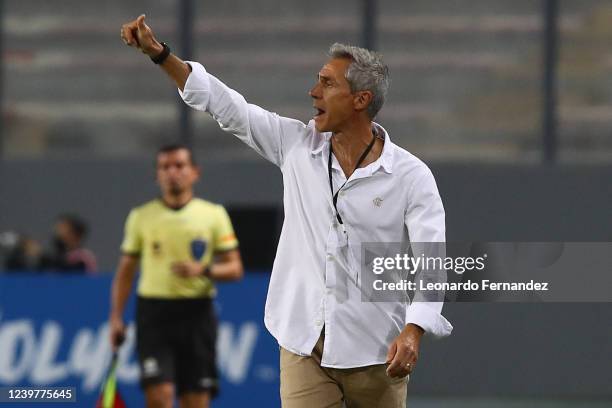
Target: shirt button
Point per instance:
(330, 257)
(319, 322)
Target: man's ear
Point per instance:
(362, 100)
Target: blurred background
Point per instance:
(509, 103)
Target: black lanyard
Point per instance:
(329, 172)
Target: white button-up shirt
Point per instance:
(315, 277)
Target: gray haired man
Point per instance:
(345, 183)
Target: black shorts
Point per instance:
(175, 340)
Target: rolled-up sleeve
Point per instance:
(269, 134)
(425, 221)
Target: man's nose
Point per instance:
(314, 92)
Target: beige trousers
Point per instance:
(305, 384)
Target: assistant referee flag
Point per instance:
(109, 394)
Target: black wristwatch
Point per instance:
(159, 59)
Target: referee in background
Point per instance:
(183, 245)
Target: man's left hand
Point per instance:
(188, 269)
(404, 351)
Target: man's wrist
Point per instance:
(415, 327)
(206, 272)
(156, 49)
(114, 316)
(160, 58)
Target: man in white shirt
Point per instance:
(345, 184)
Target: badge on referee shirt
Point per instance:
(198, 248)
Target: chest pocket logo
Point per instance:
(198, 249)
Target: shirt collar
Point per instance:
(386, 158)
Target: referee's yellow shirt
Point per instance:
(161, 236)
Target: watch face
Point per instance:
(198, 249)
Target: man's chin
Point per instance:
(320, 127)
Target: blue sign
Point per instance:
(54, 332)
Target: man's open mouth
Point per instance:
(318, 112)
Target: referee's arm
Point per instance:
(227, 266)
(120, 292)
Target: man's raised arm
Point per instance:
(139, 35)
(269, 134)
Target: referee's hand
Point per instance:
(138, 34)
(404, 352)
(116, 333)
(187, 269)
